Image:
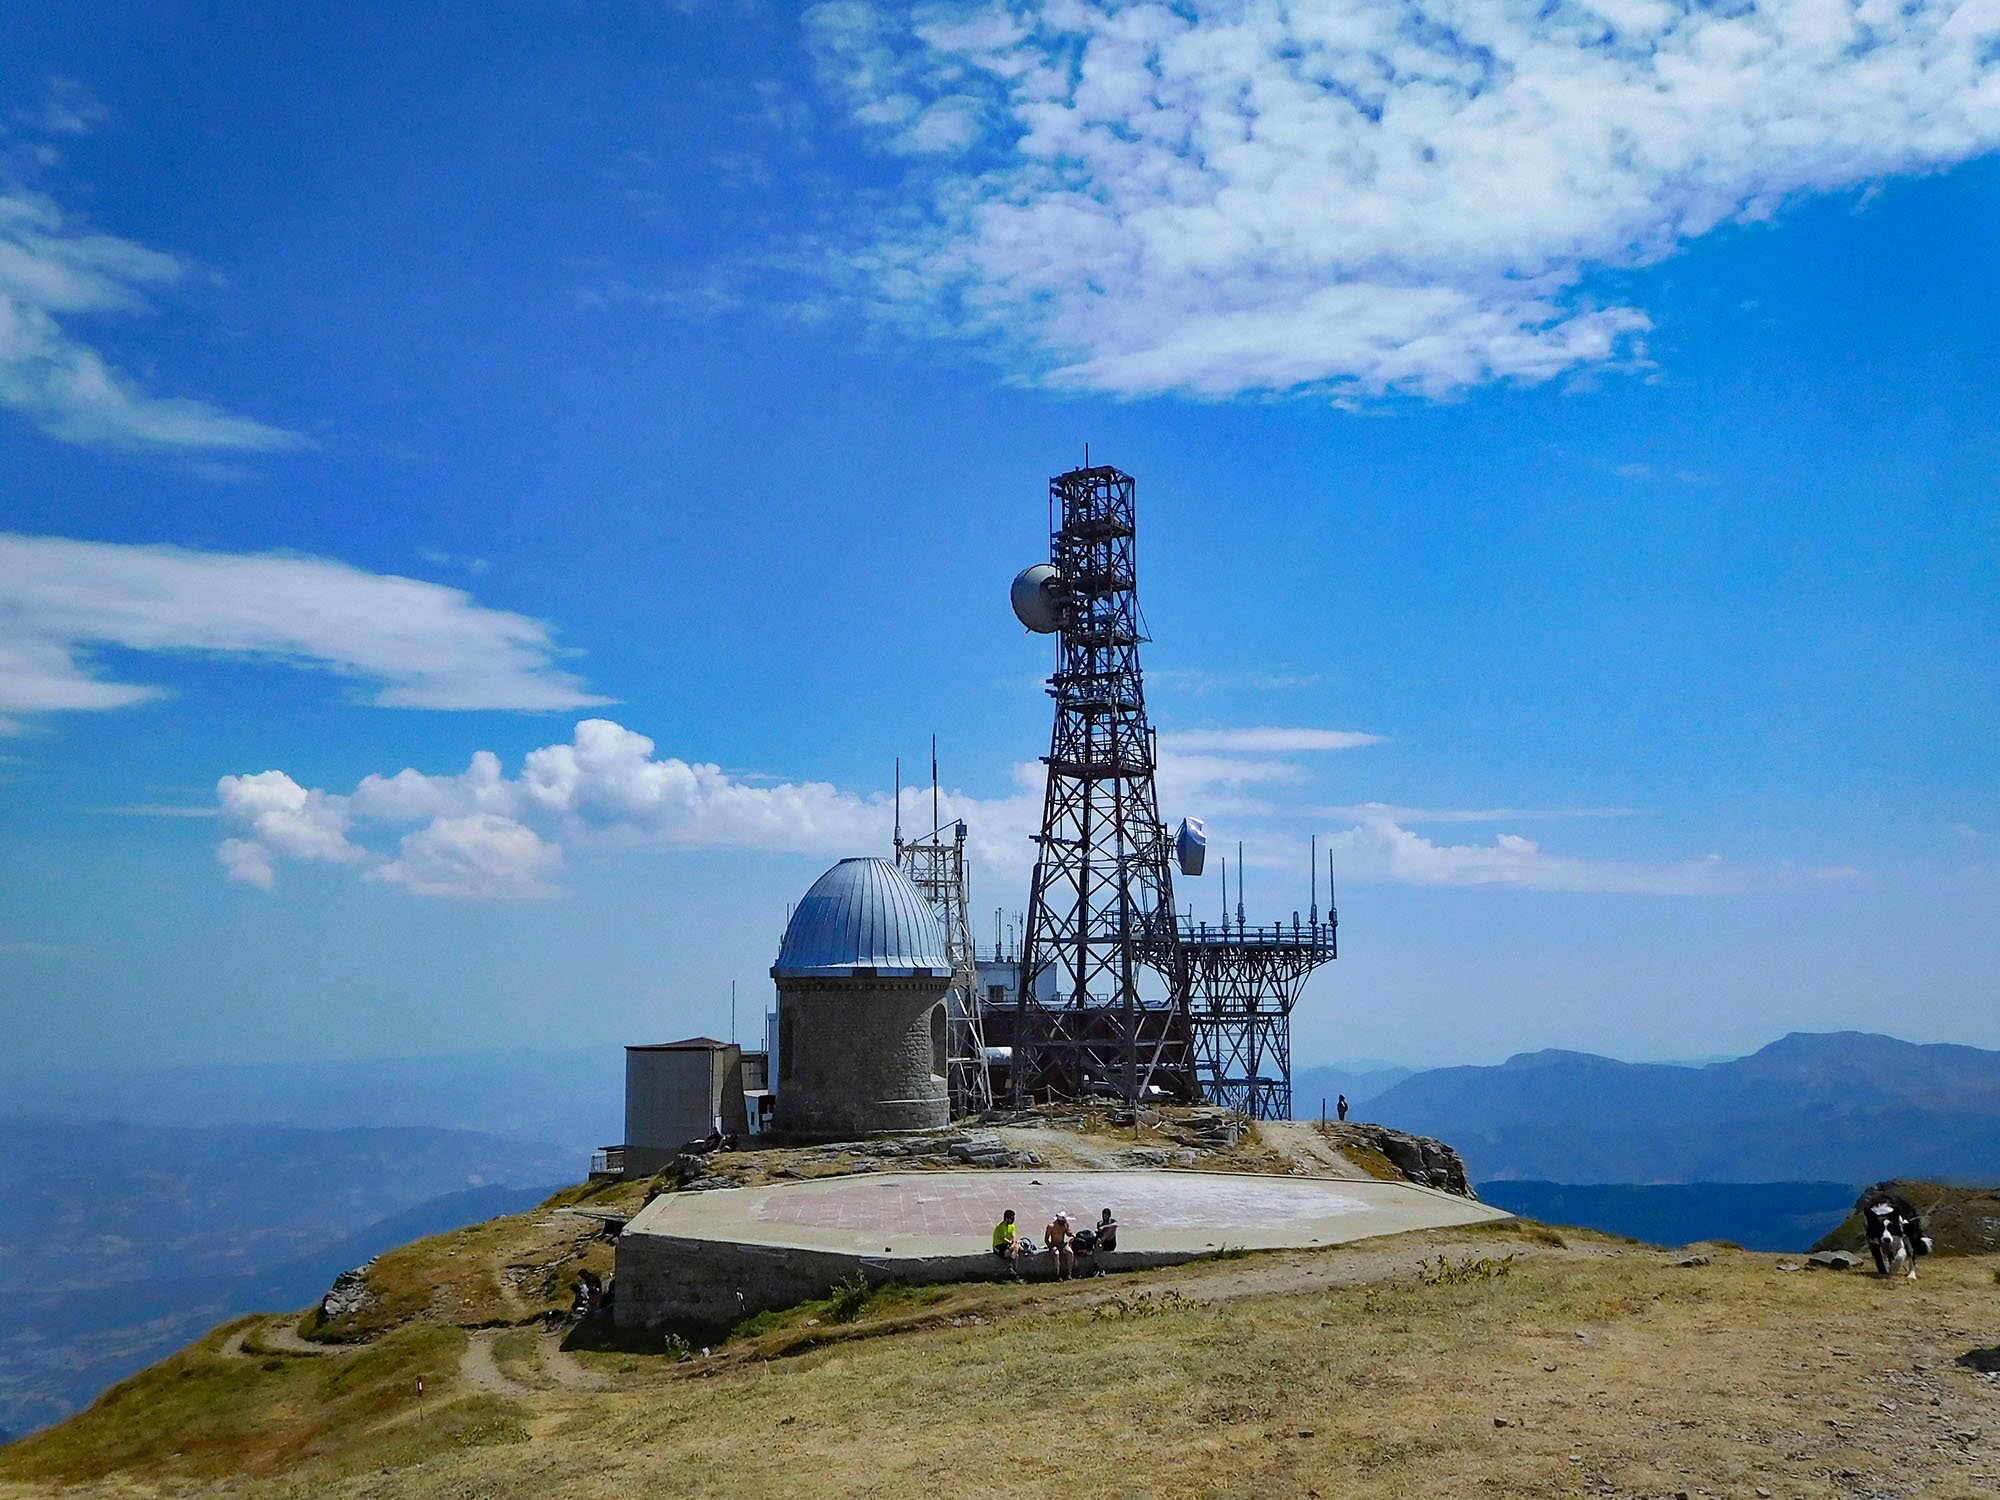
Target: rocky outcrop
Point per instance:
(1414, 1158)
(1959, 1220)
(349, 1294)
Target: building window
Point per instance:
(788, 1042)
(938, 1059)
(996, 994)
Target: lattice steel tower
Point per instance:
(1101, 922)
(935, 864)
(1242, 982)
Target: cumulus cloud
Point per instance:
(425, 645)
(483, 830)
(484, 833)
(1360, 196)
(280, 819)
(477, 855)
(55, 274)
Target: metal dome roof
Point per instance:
(862, 918)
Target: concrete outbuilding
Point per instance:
(861, 979)
(675, 1093)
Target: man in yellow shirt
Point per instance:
(1007, 1243)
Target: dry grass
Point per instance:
(1336, 1372)
(206, 1415)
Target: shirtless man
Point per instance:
(1058, 1238)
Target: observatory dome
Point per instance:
(863, 914)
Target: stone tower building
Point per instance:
(861, 980)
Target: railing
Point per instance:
(610, 1162)
(1243, 934)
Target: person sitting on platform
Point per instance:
(1007, 1243)
(1094, 1242)
(1057, 1237)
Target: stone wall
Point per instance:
(859, 1056)
(677, 1280)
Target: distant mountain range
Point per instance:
(1842, 1107)
(573, 1098)
(1314, 1087)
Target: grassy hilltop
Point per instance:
(1510, 1359)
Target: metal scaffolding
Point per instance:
(1100, 908)
(935, 865)
(1242, 983)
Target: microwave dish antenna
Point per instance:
(1036, 599)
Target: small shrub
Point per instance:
(1145, 1305)
(850, 1299)
(1466, 1271)
(763, 1322)
(1226, 1251)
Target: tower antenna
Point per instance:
(1239, 884)
(1101, 925)
(899, 804)
(934, 785)
(1312, 862)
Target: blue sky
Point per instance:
(1566, 451)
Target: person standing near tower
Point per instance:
(1343, 1108)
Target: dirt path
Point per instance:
(476, 1366)
(1065, 1150)
(274, 1336)
(1311, 1150)
(566, 1369)
(284, 1338)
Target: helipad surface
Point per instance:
(916, 1215)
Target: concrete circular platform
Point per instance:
(950, 1213)
(705, 1254)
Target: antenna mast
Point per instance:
(1101, 926)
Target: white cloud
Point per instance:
(1385, 812)
(485, 833)
(54, 273)
(477, 855)
(426, 645)
(1365, 195)
(1266, 738)
(1387, 852)
(280, 819)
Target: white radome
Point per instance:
(1033, 596)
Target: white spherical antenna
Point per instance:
(1034, 599)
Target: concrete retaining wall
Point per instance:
(675, 1279)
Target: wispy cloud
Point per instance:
(1201, 682)
(426, 645)
(1387, 812)
(54, 273)
(1361, 196)
(1389, 852)
(1266, 738)
(485, 833)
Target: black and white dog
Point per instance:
(1895, 1234)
